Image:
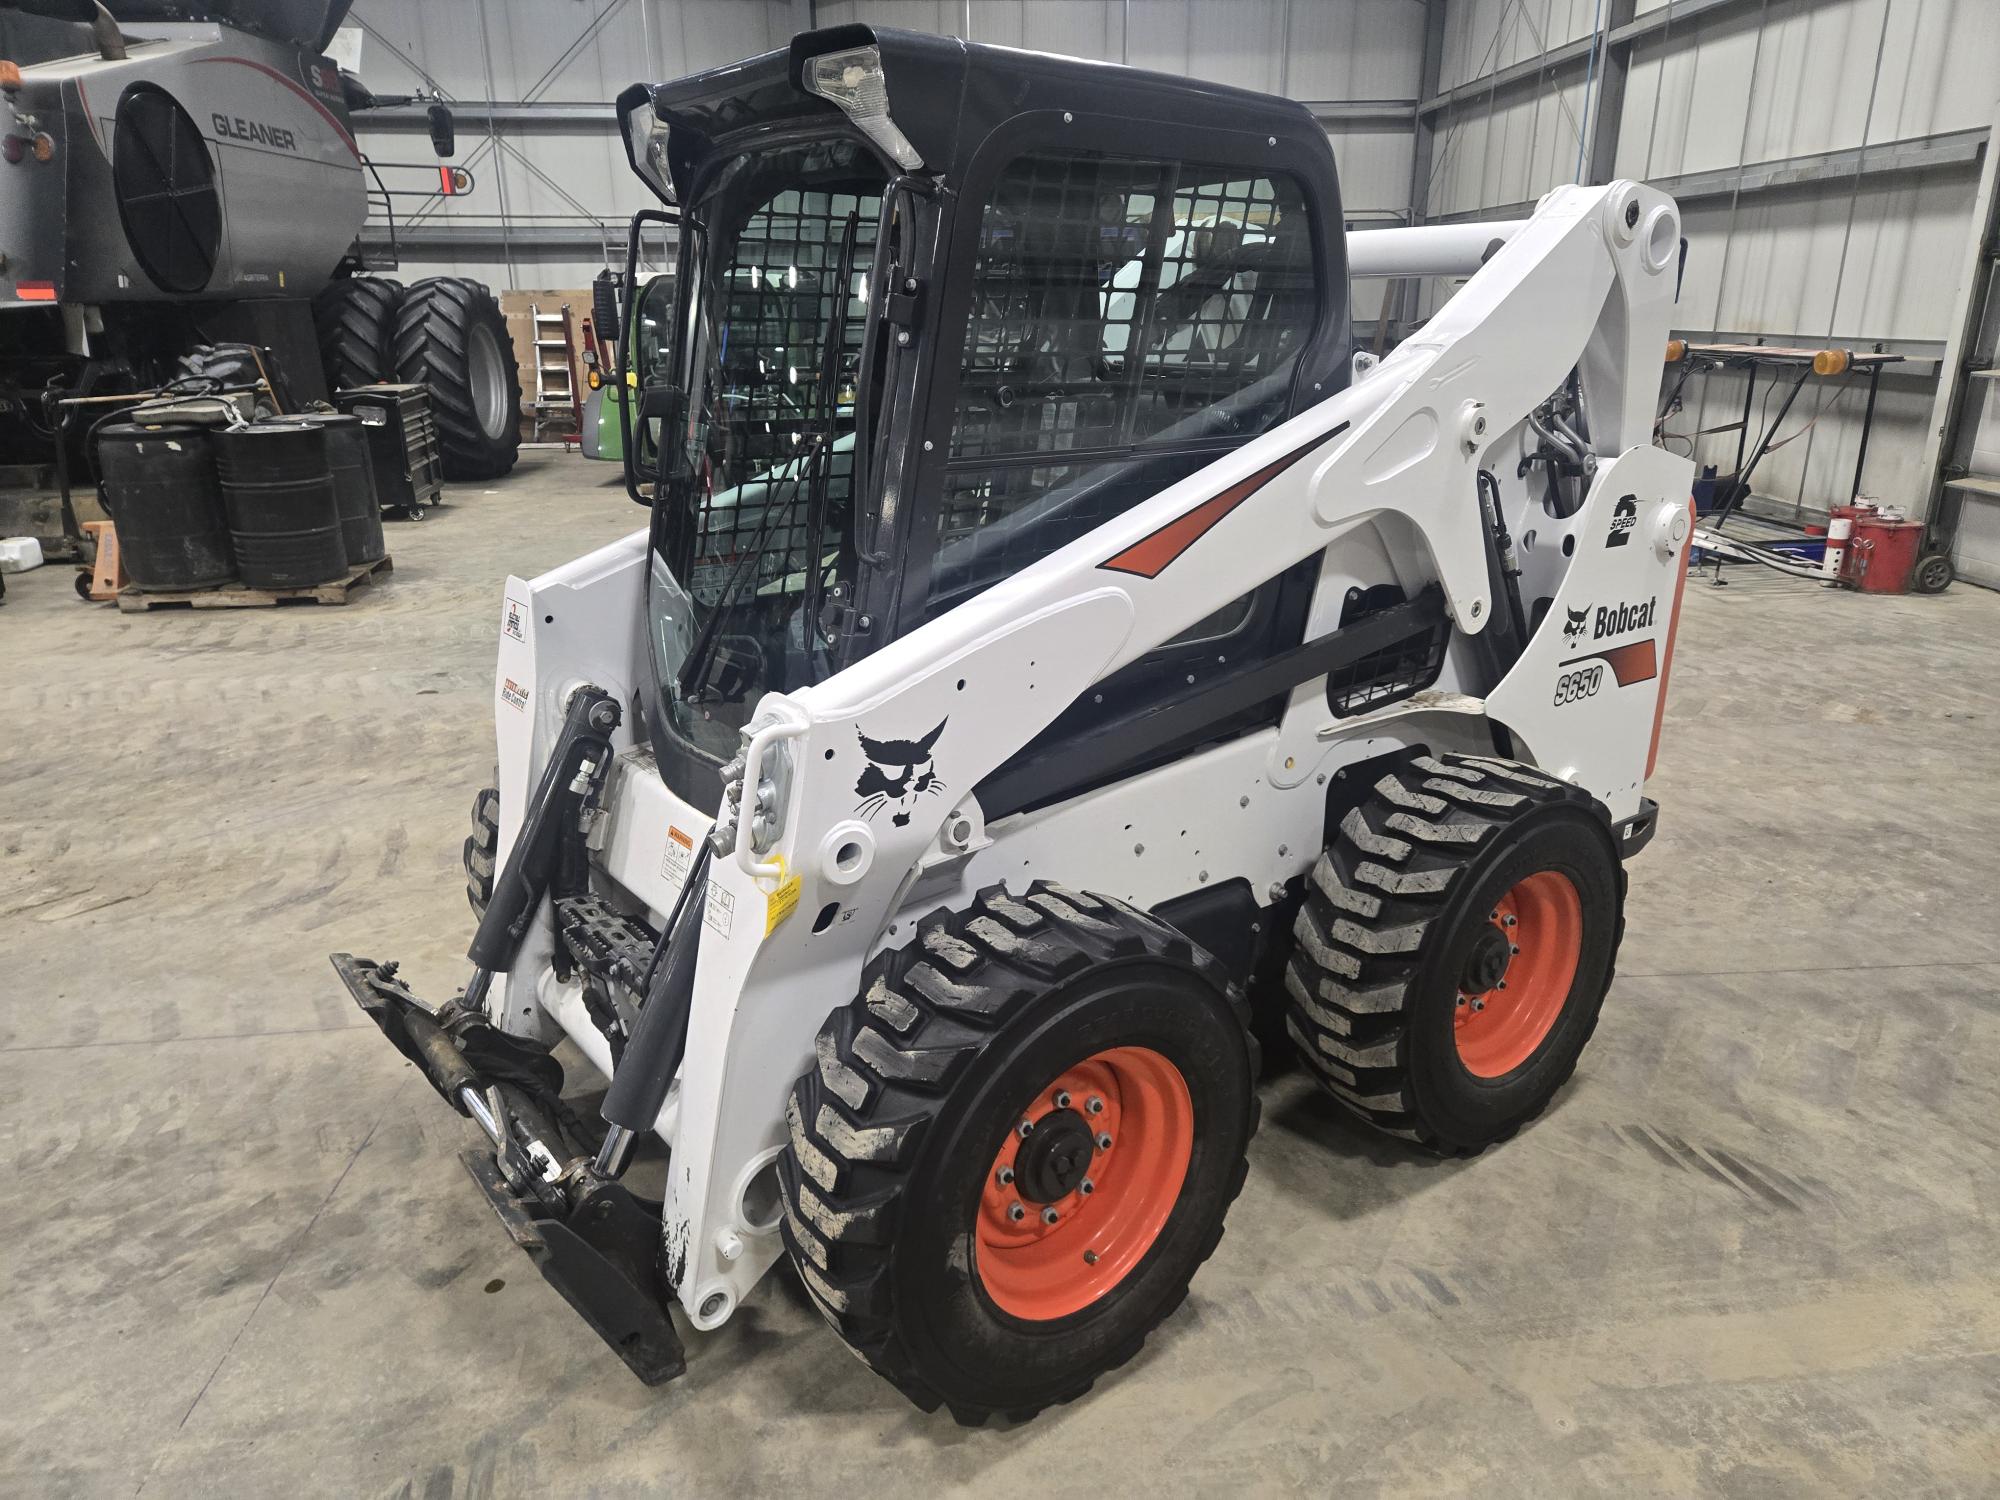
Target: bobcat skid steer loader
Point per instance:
(1047, 632)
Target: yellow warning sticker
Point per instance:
(781, 902)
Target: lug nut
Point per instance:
(1027, 1129)
(1479, 1005)
(1104, 1141)
(1049, 1216)
(1507, 921)
(1094, 1104)
(1513, 947)
(1086, 1187)
(1006, 1175)
(1502, 985)
(1090, 1257)
(1062, 1099)
(1016, 1212)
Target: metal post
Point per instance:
(1425, 144)
(1607, 106)
(1867, 425)
(1749, 396)
(499, 162)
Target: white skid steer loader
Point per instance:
(1047, 633)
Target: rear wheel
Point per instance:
(1018, 1145)
(452, 338)
(481, 848)
(355, 318)
(1454, 949)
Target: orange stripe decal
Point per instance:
(1667, 661)
(1148, 558)
(1633, 662)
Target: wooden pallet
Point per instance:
(239, 596)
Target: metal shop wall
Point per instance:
(1827, 155)
(552, 188)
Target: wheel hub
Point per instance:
(1083, 1182)
(1054, 1157)
(1486, 965)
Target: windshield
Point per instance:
(755, 540)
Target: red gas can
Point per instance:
(1883, 554)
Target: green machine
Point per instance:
(640, 337)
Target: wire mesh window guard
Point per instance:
(779, 299)
(1130, 319)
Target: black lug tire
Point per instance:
(355, 318)
(481, 848)
(1392, 909)
(918, 1079)
(434, 326)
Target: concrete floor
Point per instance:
(1750, 1251)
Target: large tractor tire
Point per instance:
(482, 847)
(1017, 1147)
(355, 318)
(1454, 948)
(452, 338)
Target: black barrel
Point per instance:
(160, 488)
(277, 490)
(353, 467)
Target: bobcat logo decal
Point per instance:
(1579, 621)
(898, 772)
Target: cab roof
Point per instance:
(947, 95)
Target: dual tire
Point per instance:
(1019, 1142)
(445, 333)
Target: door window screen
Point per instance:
(1129, 320)
(781, 297)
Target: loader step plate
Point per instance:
(604, 942)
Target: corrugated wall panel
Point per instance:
(1483, 36)
(1359, 49)
(1840, 260)
(1353, 49)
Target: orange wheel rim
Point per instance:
(1518, 976)
(1074, 1201)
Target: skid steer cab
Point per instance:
(1054, 669)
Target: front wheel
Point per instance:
(1454, 949)
(1017, 1147)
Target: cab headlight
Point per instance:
(853, 80)
(646, 147)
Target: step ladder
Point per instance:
(1959, 460)
(558, 406)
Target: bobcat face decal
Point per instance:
(1579, 621)
(898, 772)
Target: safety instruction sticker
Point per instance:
(719, 915)
(515, 621)
(680, 854)
(781, 903)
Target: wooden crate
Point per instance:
(240, 596)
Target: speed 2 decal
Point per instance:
(897, 774)
(1624, 516)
